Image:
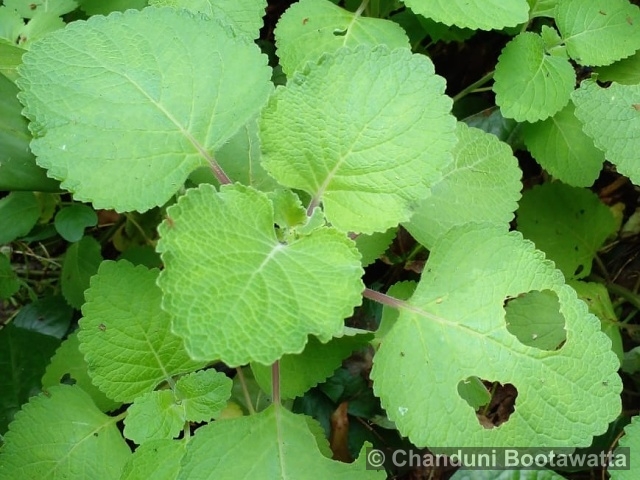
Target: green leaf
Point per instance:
(298, 373)
(611, 117)
(154, 416)
(10, 58)
(245, 15)
(631, 440)
(34, 9)
(365, 132)
(39, 26)
(203, 394)
(530, 84)
(483, 182)
(157, 459)
(128, 344)
(311, 28)
(266, 297)
(453, 327)
(19, 212)
(542, 8)
(121, 127)
(474, 392)
(104, 7)
(48, 315)
(62, 435)
(69, 365)
(9, 283)
(491, 121)
(18, 169)
(561, 147)
(80, 263)
(287, 446)
(23, 357)
(71, 221)
(10, 24)
(475, 14)
(626, 71)
(402, 291)
(599, 32)
(535, 319)
(371, 247)
(569, 224)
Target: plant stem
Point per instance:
(619, 290)
(245, 391)
(473, 86)
(361, 8)
(382, 298)
(275, 383)
(218, 172)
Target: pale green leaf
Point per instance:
(569, 224)
(365, 132)
(245, 15)
(482, 183)
(287, 449)
(298, 373)
(157, 459)
(611, 117)
(535, 319)
(69, 365)
(10, 24)
(310, 28)
(61, 435)
(30, 9)
(453, 327)
(125, 336)
(38, 27)
(542, 8)
(10, 58)
(104, 7)
(266, 297)
(626, 71)
(154, 416)
(81, 262)
(561, 147)
(530, 84)
(203, 394)
(374, 245)
(9, 283)
(599, 32)
(124, 127)
(19, 212)
(71, 221)
(631, 440)
(475, 14)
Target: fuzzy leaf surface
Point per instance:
(63, 435)
(569, 224)
(310, 28)
(123, 127)
(611, 117)
(157, 459)
(128, 344)
(561, 147)
(453, 328)
(154, 416)
(475, 14)
(298, 373)
(365, 132)
(483, 182)
(203, 394)
(530, 84)
(288, 449)
(599, 32)
(245, 15)
(266, 296)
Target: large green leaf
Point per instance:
(125, 336)
(453, 328)
(569, 224)
(475, 14)
(123, 127)
(287, 449)
(611, 117)
(530, 84)
(245, 15)
(599, 32)
(239, 294)
(61, 435)
(310, 28)
(561, 147)
(626, 71)
(482, 184)
(365, 132)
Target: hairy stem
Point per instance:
(217, 171)
(245, 391)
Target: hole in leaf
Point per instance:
(534, 318)
(340, 33)
(67, 379)
(493, 402)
